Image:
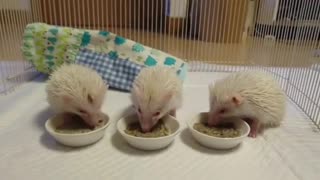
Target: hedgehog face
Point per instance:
(92, 118)
(88, 108)
(223, 107)
(90, 102)
(149, 116)
(150, 109)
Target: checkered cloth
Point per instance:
(119, 73)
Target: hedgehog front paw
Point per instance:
(254, 128)
(253, 133)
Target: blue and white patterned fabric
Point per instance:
(119, 73)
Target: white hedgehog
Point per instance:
(79, 90)
(254, 96)
(156, 92)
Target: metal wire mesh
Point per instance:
(278, 36)
(14, 16)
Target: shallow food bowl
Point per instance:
(147, 143)
(75, 139)
(218, 142)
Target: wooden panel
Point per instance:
(224, 19)
(20, 15)
(98, 13)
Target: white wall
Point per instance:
(249, 18)
(178, 8)
(267, 11)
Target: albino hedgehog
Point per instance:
(78, 90)
(253, 96)
(156, 92)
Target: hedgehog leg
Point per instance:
(254, 128)
(173, 113)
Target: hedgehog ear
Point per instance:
(167, 98)
(66, 99)
(210, 90)
(136, 90)
(237, 99)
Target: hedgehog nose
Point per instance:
(212, 123)
(89, 124)
(213, 120)
(145, 128)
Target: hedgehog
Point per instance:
(253, 96)
(156, 92)
(79, 90)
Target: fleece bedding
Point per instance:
(290, 152)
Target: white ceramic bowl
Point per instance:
(217, 142)
(74, 140)
(148, 143)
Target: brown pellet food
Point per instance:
(75, 125)
(225, 130)
(159, 130)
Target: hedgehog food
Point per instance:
(225, 130)
(158, 130)
(76, 125)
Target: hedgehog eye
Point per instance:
(139, 110)
(82, 111)
(90, 99)
(223, 110)
(156, 114)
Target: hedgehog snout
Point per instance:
(145, 127)
(213, 119)
(93, 119)
(146, 123)
(98, 118)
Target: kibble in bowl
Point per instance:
(159, 130)
(227, 136)
(160, 136)
(75, 125)
(225, 130)
(71, 131)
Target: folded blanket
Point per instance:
(47, 47)
(119, 74)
